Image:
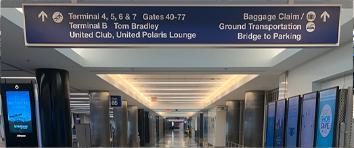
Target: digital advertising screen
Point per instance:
(19, 111)
(308, 114)
(280, 123)
(292, 122)
(270, 124)
(19, 116)
(326, 116)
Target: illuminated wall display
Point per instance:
(326, 117)
(270, 124)
(19, 111)
(292, 122)
(166, 25)
(116, 101)
(280, 123)
(19, 115)
(308, 114)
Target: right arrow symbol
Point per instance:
(42, 16)
(324, 16)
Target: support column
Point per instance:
(157, 118)
(148, 127)
(233, 121)
(152, 128)
(200, 128)
(99, 117)
(133, 126)
(120, 118)
(142, 128)
(241, 122)
(253, 118)
(54, 107)
(161, 128)
(283, 86)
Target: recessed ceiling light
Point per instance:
(175, 89)
(74, 98)
(180, 97)
(79, 94)
(18, 77)
(179, 100)
(80, 104)
(177, 82)
(177, 94)
(19, 10)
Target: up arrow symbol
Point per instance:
(324, 16)
(42, 16)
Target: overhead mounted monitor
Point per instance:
(326, 117)
(270, 124)
(292, 122)
(280, 123)
(308, 116)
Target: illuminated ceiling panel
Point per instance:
(177, 91)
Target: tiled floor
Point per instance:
(176, 139)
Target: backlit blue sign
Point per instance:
(292, 122)
(326, 114)
(308, 113)
(270, 124)
(280, 123)
(107, 25)
(116, 101)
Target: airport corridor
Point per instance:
(176, 73)
(176, 138)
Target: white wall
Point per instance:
(343, 82)
(336, 63)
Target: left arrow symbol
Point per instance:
(42, 16)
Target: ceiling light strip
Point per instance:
(229, 86)
(183, 83)
(181, 97)
(174, 89)
(77, 98)
(123, 85)
(177, 94)
(179, 101)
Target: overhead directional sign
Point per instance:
(116, 101)
(220, 26)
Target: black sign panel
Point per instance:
(19, 114)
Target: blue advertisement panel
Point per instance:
(19, 111)
(141, 25)
(270, 124)
(326, 116)
(280, 123)
(308, 114)
(292, 122)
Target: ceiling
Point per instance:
(177, 88)
(177, 91)
(182, 81)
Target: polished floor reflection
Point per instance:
(176, 138)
